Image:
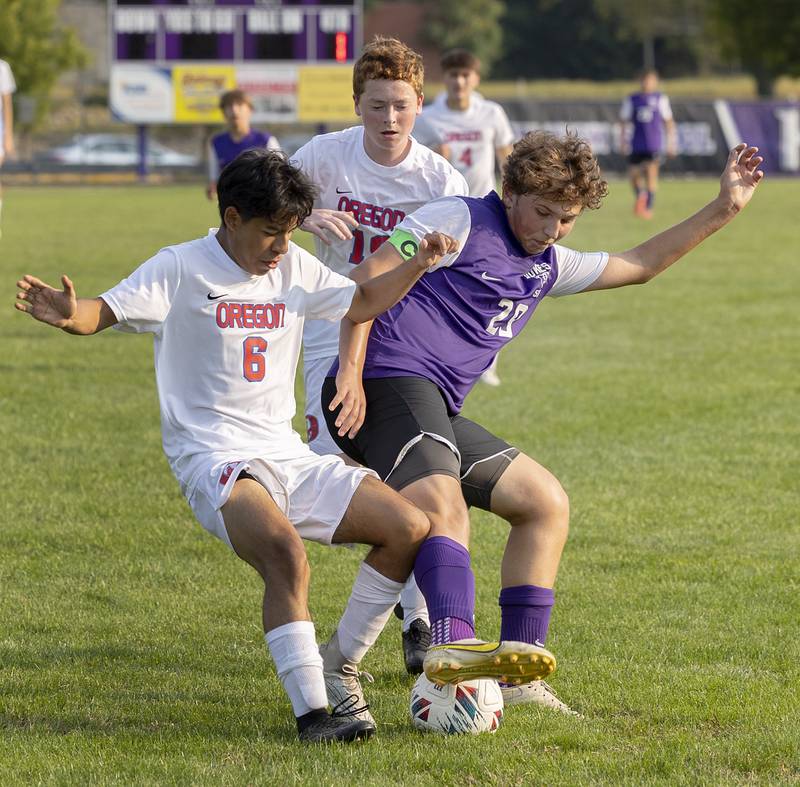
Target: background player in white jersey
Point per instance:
(7, 87)
(474, 134)
(227, 314)
(369, 177)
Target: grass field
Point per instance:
(130, 643)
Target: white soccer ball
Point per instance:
(472, 706)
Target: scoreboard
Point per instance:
(164, 31)
(170, 59)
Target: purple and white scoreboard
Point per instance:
(167, 54)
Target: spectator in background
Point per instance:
(225, 147)
(473, 134)
(644, 116)
(7, 87)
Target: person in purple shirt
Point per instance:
(423, 356)
(237, 108)
(644, 116)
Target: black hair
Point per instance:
(265, 184)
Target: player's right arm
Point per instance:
(384, 278)
(62, 308)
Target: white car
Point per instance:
(116, 150)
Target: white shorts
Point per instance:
(312, 491)
(319, 438)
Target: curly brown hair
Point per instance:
(388, 58)
(560, 169)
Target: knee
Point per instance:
(412, 528)
(284, 561)
(543, 502)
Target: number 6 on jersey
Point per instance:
(254, 362)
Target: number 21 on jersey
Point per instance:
(502, 321)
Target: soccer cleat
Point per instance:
(537, 693)
(336, 728)
(343, 684)
(507, 662)
(416, 642)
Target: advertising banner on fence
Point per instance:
(706, 130)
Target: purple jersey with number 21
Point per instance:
(455, 319)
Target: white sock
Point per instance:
(371, 603)
(294, 650)
(413, 603)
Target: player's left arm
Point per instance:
(738, 183)
(8, 127)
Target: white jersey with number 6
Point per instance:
(379, 197)
(473, 135)
(226, 347)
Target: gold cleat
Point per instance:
(455, 662)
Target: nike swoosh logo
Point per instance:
(339, 191)
(486, 276)
(215, 297)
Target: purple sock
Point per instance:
(445, 577)
(651, 196)
(525, 613)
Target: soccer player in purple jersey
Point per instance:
(237, 108)
(424, 355)
(644, 116)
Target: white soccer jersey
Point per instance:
(226, 347)
(379, 197)
(473, 135)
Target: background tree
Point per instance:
(765, 41)
(37, 49)
(471, 24)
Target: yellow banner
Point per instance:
(197, 91)
(325, 94)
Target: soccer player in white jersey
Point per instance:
(7, 87)
(369, 177)
(227, 313)
(474, 134)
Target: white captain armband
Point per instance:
(405, 243)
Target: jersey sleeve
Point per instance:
(7, 83)
(142, 302)
(455, 185)
(626, 110)
(577, 270)
(665, 108)
(503, 133)
(448, 215)
(272, 143)
(328, 294)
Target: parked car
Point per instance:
(115, 150)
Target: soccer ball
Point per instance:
(472, 706)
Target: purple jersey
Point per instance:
(227, 150)
(454, 320)
(649, 111)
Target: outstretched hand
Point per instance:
(741, 176)
(45, 303)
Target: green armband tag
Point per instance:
(405, 243)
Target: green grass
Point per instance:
(130, 644)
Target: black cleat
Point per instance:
(416, 642)
(337, 728)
